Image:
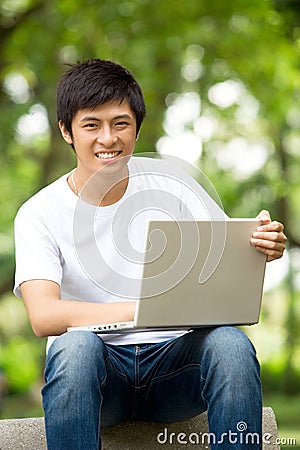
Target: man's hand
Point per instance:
(269, 237)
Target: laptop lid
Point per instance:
(199, 274)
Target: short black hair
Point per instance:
(95, 82)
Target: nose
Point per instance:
(106, 137)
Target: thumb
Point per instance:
(264, 216)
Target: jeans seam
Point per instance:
(103, 382)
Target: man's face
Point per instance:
(103, 137)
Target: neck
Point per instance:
(112, 192)
(99, 189)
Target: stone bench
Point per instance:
(29, 434)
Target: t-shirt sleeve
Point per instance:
(36, 251)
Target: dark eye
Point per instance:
(90, 125)
(122, 124)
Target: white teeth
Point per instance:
(105, 155)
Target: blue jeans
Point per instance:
(89, 383)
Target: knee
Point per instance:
(229, 346)
(230, 368)
(75, 353)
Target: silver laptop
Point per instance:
(196, 274)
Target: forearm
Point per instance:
(66, 313)
(49, 315)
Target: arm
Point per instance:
(50, 316)
(269, 237)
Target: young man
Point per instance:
(94, 380)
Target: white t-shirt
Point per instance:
(94, 253)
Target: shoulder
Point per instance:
(169, 169)
(180, 177)
(44, 200)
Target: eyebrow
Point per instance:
(120, 116)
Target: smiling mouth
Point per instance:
(107, 155)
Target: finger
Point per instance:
(271, 226)
(272, 236)
(271, 254)
(274, 249)
(264, 216)
(269, 245)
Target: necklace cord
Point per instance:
(74, 184)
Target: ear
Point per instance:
(65, 133)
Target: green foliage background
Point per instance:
(173, 47)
